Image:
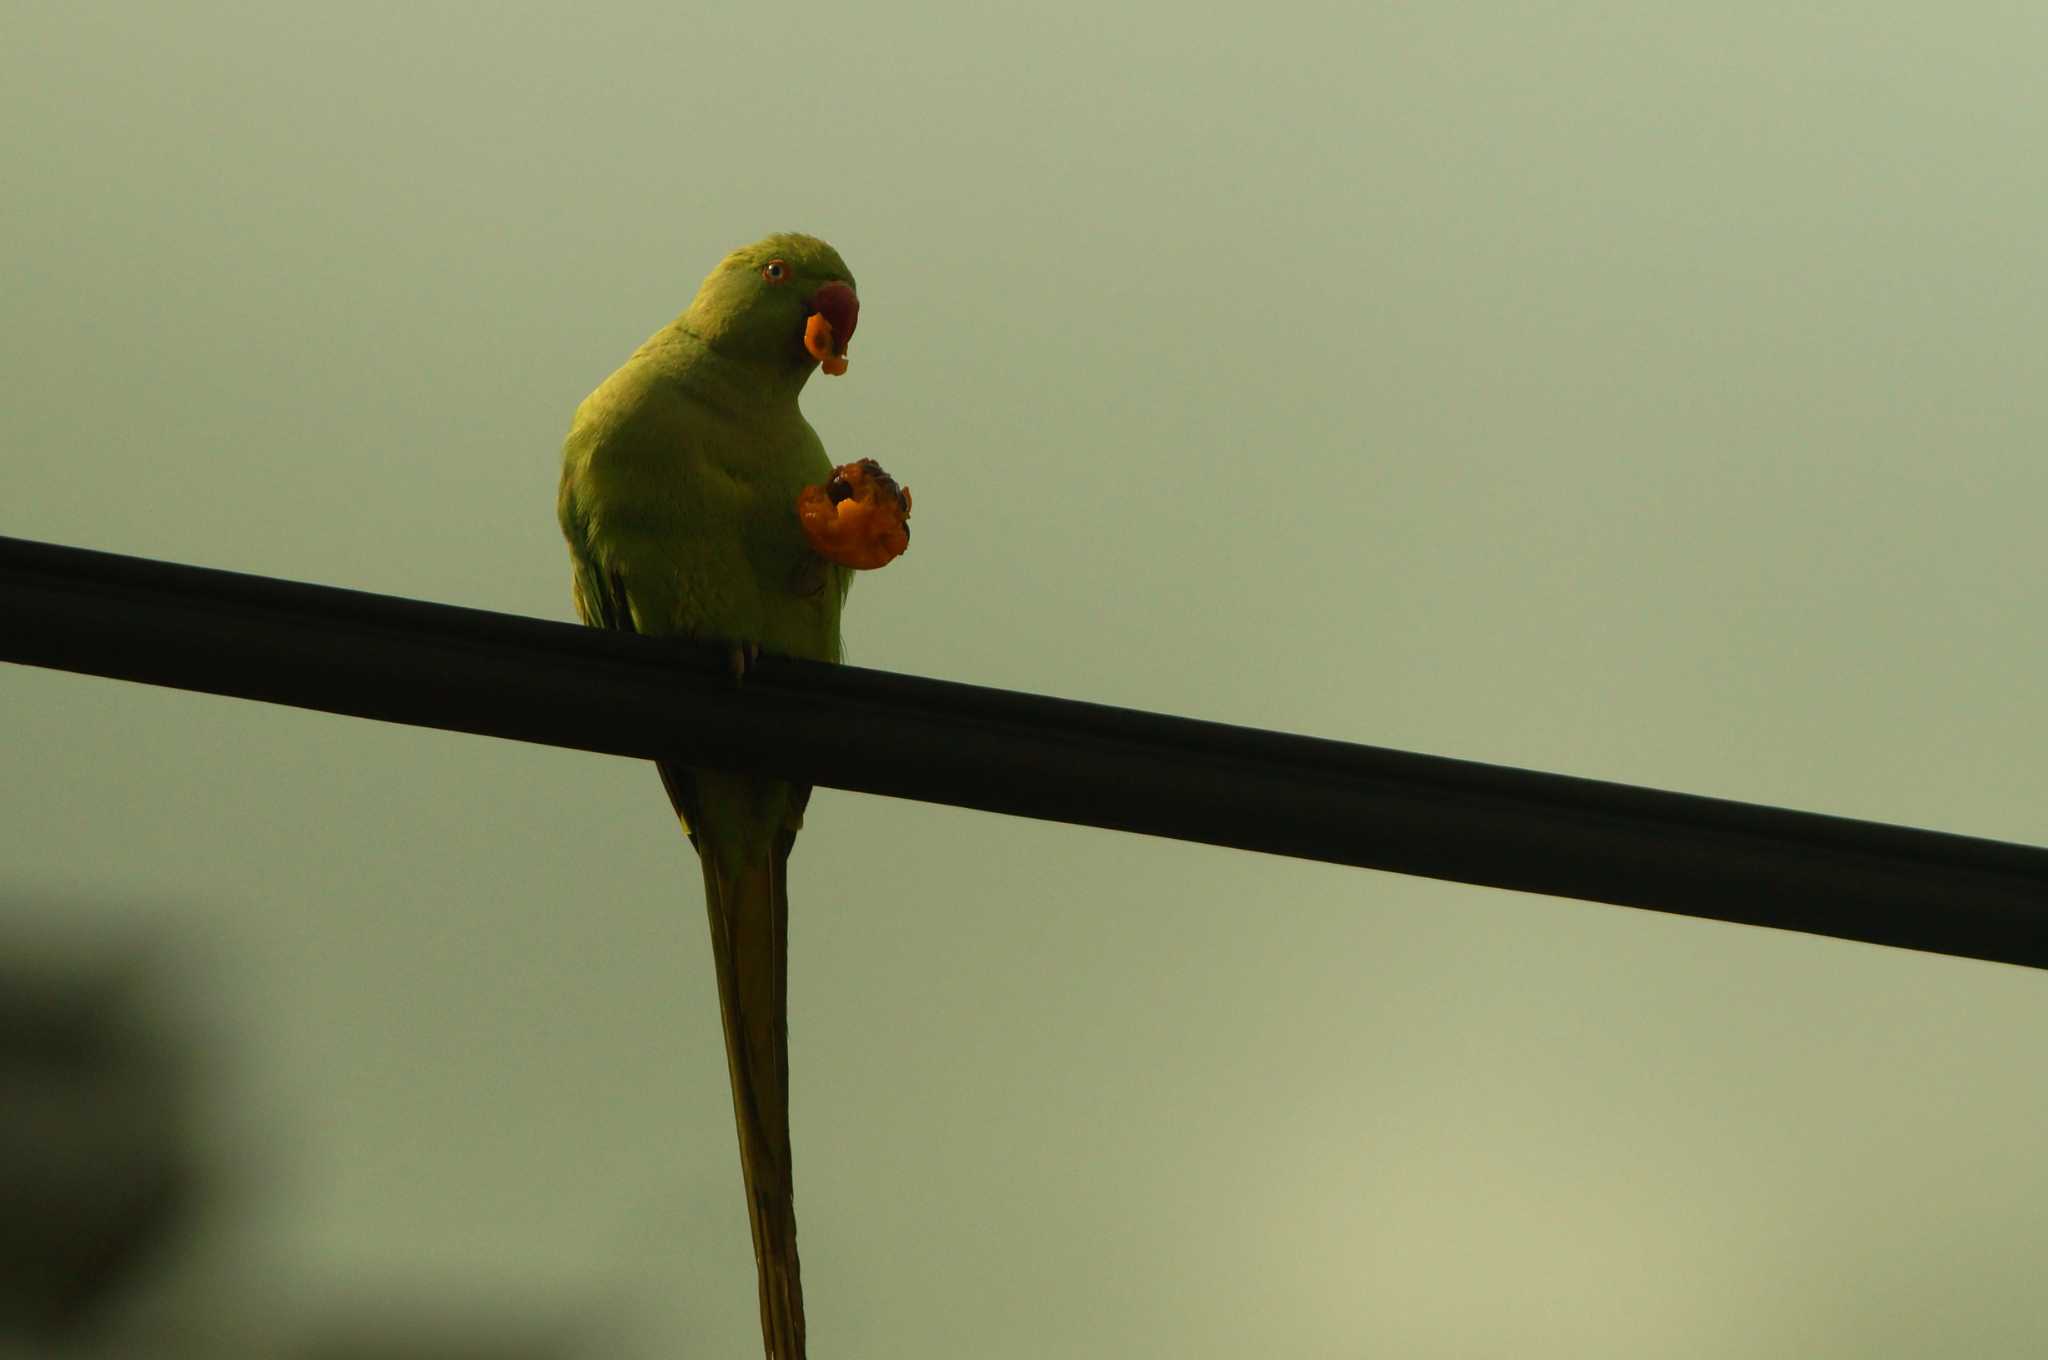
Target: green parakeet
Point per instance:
(680, 478)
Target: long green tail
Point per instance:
(748, 906)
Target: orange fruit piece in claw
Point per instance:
(859, 519)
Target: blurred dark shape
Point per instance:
(98, 1167)
(114, 1180)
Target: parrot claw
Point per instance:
(742, 658)
(809, 577)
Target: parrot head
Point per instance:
(785, 298)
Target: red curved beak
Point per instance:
(840, 307)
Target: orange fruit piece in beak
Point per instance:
(818, 340)
(835, 311)
(859, 519)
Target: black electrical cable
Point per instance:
(503, 675)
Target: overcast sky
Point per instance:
(1587, 387)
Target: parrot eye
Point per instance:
(775, 271)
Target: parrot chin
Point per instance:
(835, 311)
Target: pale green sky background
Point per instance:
(1639, 392)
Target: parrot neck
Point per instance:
(735, 382)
